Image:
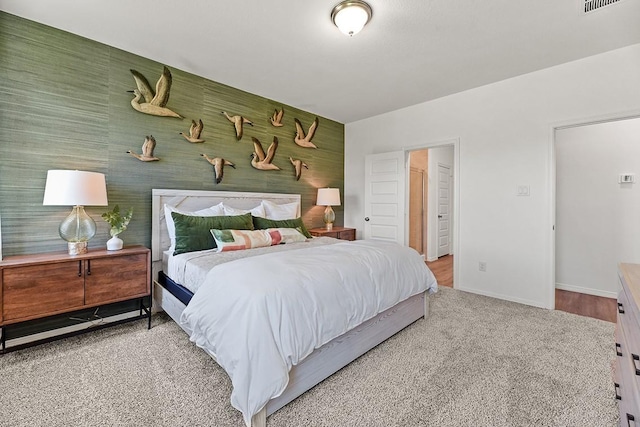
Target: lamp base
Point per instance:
(77, 248)
(328, 218)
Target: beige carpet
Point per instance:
(476, 361)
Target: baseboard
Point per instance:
(502, 297)
(588, 291)
(431, 259)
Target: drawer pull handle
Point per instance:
(631, 420)
(620, 308)
(636, 359)
(88, 267)
(618, 349)
(618, 397)
(79, 268)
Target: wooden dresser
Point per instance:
(42, 285)
(627, 372)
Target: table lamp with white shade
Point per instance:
(328, 197)
(78, 189)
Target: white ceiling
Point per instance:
(412, 51)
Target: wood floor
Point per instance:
(587, 305)
(443, 270)
(571, 302)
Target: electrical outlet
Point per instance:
(482, 266)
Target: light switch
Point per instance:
(522, 190)
(626, 178)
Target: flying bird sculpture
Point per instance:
(194, 132)
(258, 158)
(238, 123)
(147, 150)
(298, 165)
(155, 101)
(276, 119)
(305, 140)
(218, 164)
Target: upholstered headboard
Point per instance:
(192, 200)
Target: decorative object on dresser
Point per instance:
(78, 189)
(238, 123)
(118, 224)
(276, 119)
(328, 197)
(42, 285)
(155, 100)
(194, 132)
(305, 140)
(148, 146)
(297, 167)
(342, 233)
(261, 161)
(627, 371)
(218, 164)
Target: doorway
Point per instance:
(430, 195)
(595, 211)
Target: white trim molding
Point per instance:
(588, 291)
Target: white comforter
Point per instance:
(261, 315)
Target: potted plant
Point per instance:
(118, 224)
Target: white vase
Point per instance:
(114, 243)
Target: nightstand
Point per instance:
(342, 233)
(42, 285)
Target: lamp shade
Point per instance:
(328, 197)
(351, 16)
(75, 188)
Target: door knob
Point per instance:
(366, 218)
(439, 216)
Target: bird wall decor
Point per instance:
(258, 158)
(147, 150)
(194, 132)
(155, 100)
(238, 123)
(305, 140)
(218, 164)
(276, 119)
(297, 166)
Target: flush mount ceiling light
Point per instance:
(351, 16)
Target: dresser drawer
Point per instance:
(627, 388)
(629, 326)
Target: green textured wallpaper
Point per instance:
(64, 104)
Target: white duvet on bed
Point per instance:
(259, 316)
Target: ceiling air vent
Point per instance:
(591, 5)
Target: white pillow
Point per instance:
(257, 211)
(284, 211)
(216, 210)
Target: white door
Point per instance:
(444, 214)
(384, 199)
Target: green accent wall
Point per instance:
(64, 105)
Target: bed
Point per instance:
(306, 368)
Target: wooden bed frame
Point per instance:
(325, 360)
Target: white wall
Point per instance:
(506, 139)
(443, 156)
(597, 219)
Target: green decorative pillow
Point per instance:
(262, 223)
(192, 232)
